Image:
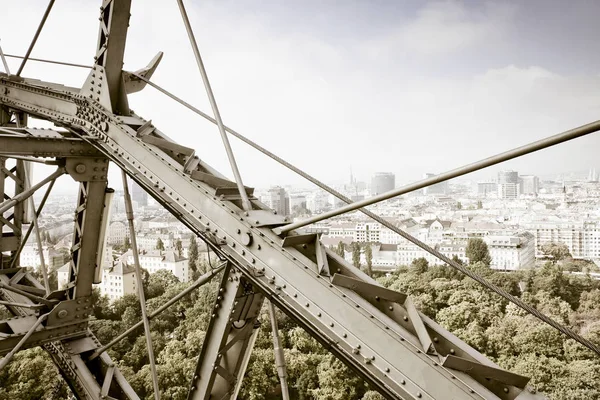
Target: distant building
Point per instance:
(592, 175)
(139, 195)
(62, 276)
(117, 231)
(118, 280)
(407, 252)
(508, 177)
(510, 251)
(30, 257)
(156, 260)
(367, 232)
(557, 231)
(508, 191)
(438, 188)
(279, 200)
(382, 182)
(530, 184)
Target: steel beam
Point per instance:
(229, 339)
(43, 143)
(88, 219)
(112, 34)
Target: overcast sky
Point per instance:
(402, 86)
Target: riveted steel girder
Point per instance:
(229, 339)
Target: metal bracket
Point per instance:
(87, 169)
(368, 290)
(293, 240)
(69, 311)
(475, 368)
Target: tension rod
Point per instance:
(3, 56)
(140, 284)
(278, 351)
(246, 205)
(35, 37)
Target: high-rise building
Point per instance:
(279, 200)
(139, 195)
(508, 177)
(438, 188)
(508, 191)
(529, 184)
(592, 175)
(382, 182)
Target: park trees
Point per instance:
(477, 251)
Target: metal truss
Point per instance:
(377, 332)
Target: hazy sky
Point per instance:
(402, 86)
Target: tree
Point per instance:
(459, 205)
(356, 254)
(340, 250)
(193, 254)
(179, 247)
(420, 265)
(479, 205)
(457, 260)
(369, 259)
(556, 251)
(477, 251)
(160, 244)
(126, 243)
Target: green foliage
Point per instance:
(356, 254)
(160, 245)
(477, 251)
(556, 251)
(369, 259)
(419, 265)
(560, 367)
(193, 255)
(31, 375)
(508, 335)
(179, 247)
(126, 244)
(341, 249)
